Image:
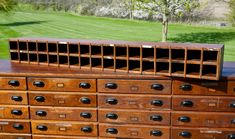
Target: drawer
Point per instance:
(203, 133)
(231, 87)
(134, 117)
(60, 137)
(200, 87)
(14, 136)
(134, 131)
(62, 84)
(13, 126)
(63, 113)
(13, 97)
(135, 86)
(203, 103)
(127, 101)
(64, 128)
(12, 83)
(14, 112)
(62, 99)
(203, 119)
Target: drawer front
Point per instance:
(14, 126)
(231, 87)
(64, 128)
(15, 98)
(60, 137)
(203, 103)
(12, 83)
(62, 99)
(14, 112)
(203, 119)
(15, 136)
(62, 84)
(200, 87)
(134, 101)
(135, 86)
(134, 131)
(134, 117)
(203, 133)
(63, 113)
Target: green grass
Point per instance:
(63, 25)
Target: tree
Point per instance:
(231, 15)
(167, 8)
(130, 4)
(7, 5)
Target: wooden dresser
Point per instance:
(42, 102)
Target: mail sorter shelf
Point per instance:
(201, 61)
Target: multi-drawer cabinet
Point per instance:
(38, 102)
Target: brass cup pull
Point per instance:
(14, 83)
(187, 103)
(232, 105)
(184, 119)
(39, 99)
(41, 113)
(231, 136)
(85, 100)
(112, 101)
(156, 118)
(85, 85)
(112, 116)
(157, 103)
(86, 115)
(186, 87)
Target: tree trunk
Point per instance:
(164, 28)
(131, 9)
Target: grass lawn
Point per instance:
(61, 25)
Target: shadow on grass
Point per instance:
(204, 37)
(22, 23)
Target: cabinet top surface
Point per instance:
(8, 68)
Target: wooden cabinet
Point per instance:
(39, 102)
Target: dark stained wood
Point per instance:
(60, 137)
(14, 112)
(65, 99)
(20, 83)
(64, 128)
(135, 86)
(14, 136)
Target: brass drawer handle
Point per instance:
(187, 103)
(16, 112)
(18, 126)
(156, 118)
(42, 128)
(112, 116)
(111, 85)
(186, 87)
(156, 133)
(184, 119)
(157, 87)
(185, 134)
(233, 121)
(39, 98)
(17, 98)
(157, 103)
(38, 84)
(86, 115)
(86, 129)
(231, 136)
(84, 85)
(112, 101)
(85, 100)
(41, 113)
(112, 131)
(14, 83)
